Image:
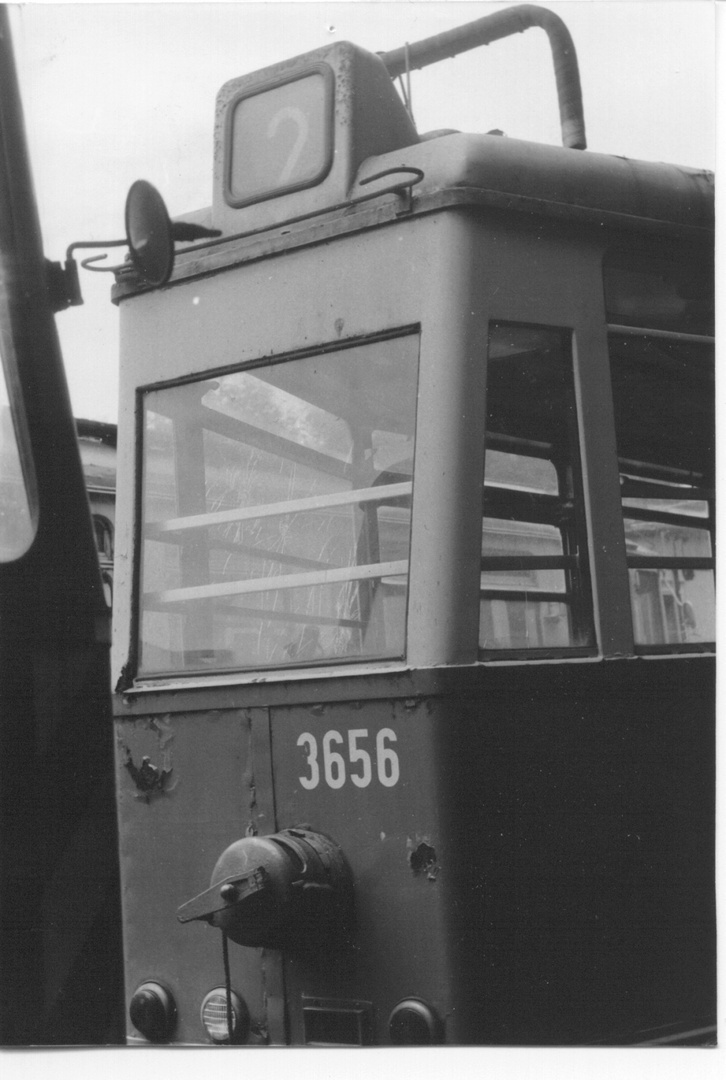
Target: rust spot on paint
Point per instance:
(422, 859)
(150, 780)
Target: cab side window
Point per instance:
(535, 591)
(661, 360)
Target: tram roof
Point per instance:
(515, 175)
(490, 172)
(324, 131)
(500, 173)
(352, 159)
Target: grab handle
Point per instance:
(502, 24)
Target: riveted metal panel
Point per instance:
(391, 833)
(189, 785)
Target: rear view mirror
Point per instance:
(150, 236)
(149, 233)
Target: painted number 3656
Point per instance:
(355, 764)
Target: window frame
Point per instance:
(578, 593)
(657, 481)
(147, 678)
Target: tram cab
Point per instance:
(414, 588)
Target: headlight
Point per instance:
(215, 1020)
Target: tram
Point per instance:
(414, 581)
(60, 936)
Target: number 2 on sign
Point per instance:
(300, 120)
(358, 767)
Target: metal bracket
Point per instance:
(404, 188)
(222, 895)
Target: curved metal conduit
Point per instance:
(502, 24)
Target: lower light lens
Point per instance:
(214, 1017)
(413, 1023)
(152, 1012)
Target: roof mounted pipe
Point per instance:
(502, 24)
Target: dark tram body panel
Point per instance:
(592, 872)
(542, 873)
(483, 674)
(544, 865)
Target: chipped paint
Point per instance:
(163, 727)
(422, 858)
(150, 780)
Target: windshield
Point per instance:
(276, 512)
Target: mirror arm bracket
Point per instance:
(64, 289)
(150, 237)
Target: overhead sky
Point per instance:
(114, 92)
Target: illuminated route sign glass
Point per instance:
(280, 138)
